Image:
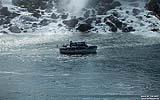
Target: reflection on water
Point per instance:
(125, 67)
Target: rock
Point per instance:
(15, 29)
(13, 15)
(93, 3)
(93, 13)
(87, 14)
(135, 11)
(84, 27)
(115, 4)
(71, 23)
(81, 18)
(148, 16)
(127, 12)
(141, 24)
(115, 21)
(90, 20)
(28, 18)
(4, 32)
(101, 10)
(25, 31)
(44, 22)
(102, 6)
(5, 20)
(36, 13)
(34, 25)
(50, 4)
(4, 11)
(32, 4)
(116, 14)
(120, 8)
(64, 16)
(113, 28)
(60, 25)
(42, 12)
(154, 5)
(128, 29)
(54, 16)
(139, 17)
(98, 20)
(155, 29)
(104, 2)
(5, 26)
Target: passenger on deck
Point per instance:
(70, 43)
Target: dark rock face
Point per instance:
(5, 21)
(115, 4)
(115, 21)
(113, 28)
(34, 25)
(135, 11)
(98, 20)
(64, 16)
(90, 20)
(4, 11)
(84, 27)
(155, 29)
(36, 13)
(4, 32)
(15, 29)
(93, 3)
(115, 24)
(45, 22)
(31, 4)
(71, 23)
(54, 16)
(6, 15)
(116, 14)
(101, 10)
(86, 14)
(102, 6)
(154, 5)
(128, 29)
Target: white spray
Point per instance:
(6, 2)
(75, 6)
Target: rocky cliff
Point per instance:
(93, 15)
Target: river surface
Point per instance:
(125, 67)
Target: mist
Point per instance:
(6, 1)
(74, 6)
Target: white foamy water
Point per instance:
(34, 65)
(74, 6)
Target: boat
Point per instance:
(78, 48)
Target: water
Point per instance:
(31, 67)
(6, 2)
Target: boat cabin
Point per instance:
(78, 44)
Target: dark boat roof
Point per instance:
(78, 44)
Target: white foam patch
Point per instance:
(7, 72)
(148, 34)
(9, 41)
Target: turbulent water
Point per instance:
(31, 67)
(126, 66)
